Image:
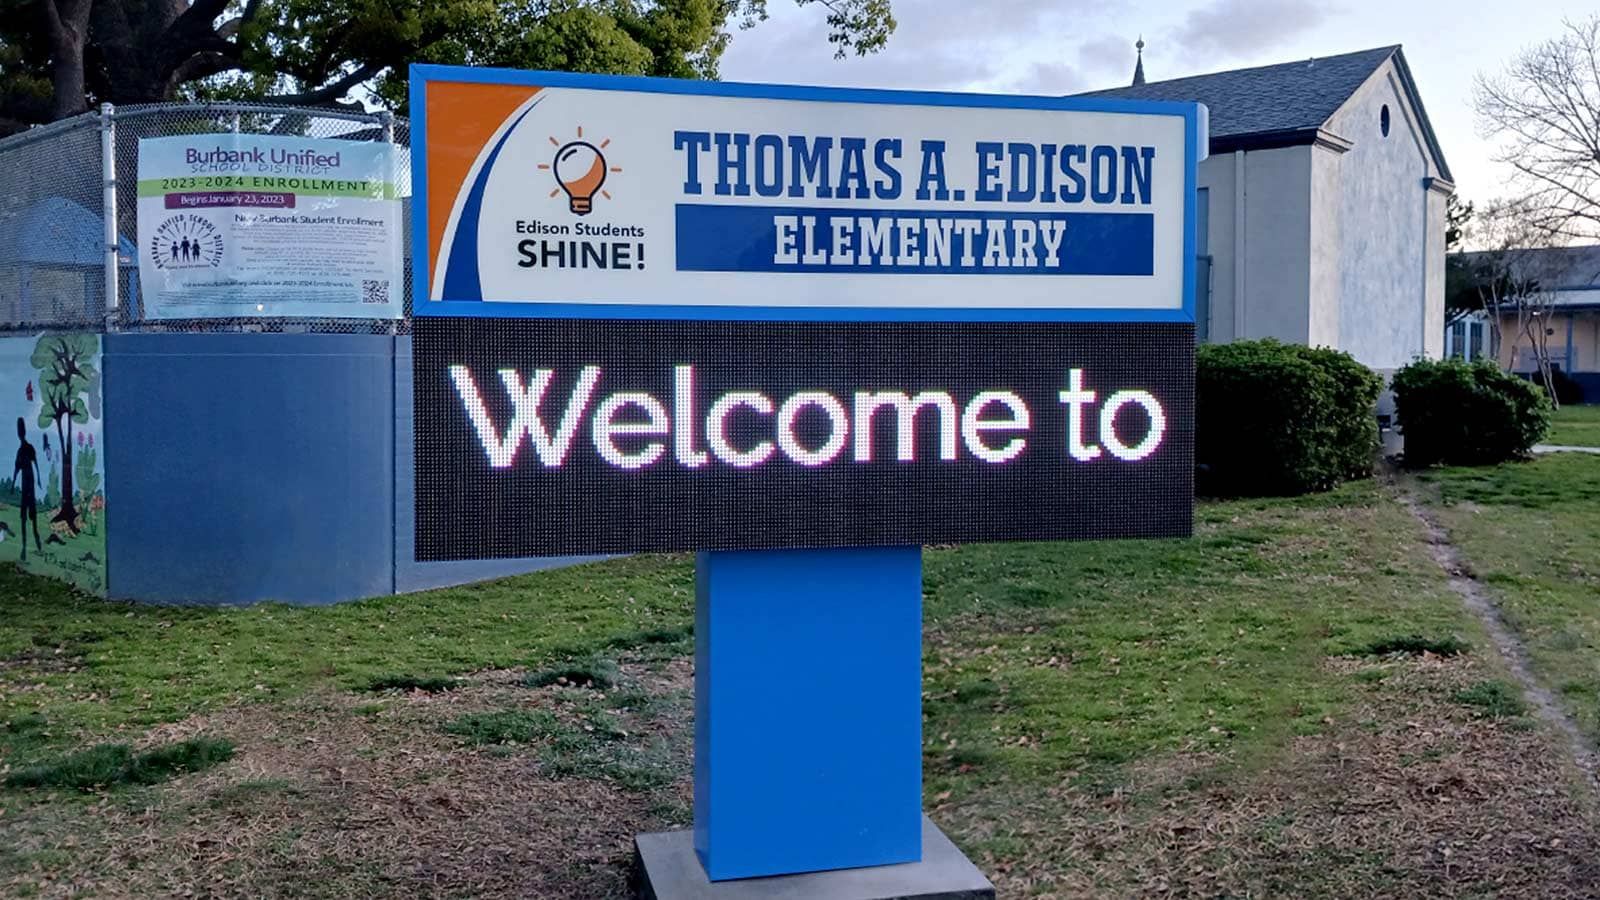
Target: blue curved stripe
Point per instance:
(461, 278)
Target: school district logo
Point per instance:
(580, 170)
(186, 242)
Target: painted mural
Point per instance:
(52, 501)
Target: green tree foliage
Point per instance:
(1461, 279)
(60, 57)
(69, 391)
(1458, 215)
(1281, 419)
(1467, 414)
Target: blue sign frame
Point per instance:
(1191, 114)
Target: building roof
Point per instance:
(1571, 274)
(1284, 104)
(57, 233)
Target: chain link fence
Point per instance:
(54, 260)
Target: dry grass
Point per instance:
(337, 796)
(1408, 794)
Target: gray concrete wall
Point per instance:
(1272, 281)
(1217, 174)
(1433, 297)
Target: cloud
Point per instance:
(1239, 28)
(1106, 54)
(1049, 79)
(938, 45)
(1106, 61)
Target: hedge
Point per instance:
(1281, 419)
(1467, 414)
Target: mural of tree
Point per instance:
(69, 391)
(88, 478)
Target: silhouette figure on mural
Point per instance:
(174, 251)
(185, 249)
(27, 466)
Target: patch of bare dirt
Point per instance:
(1478, 600)
(1406, 794)
(352, 795)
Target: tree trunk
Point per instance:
(1496, 338)
(69, 509)
(67, 24)
(1544, 364)
(1534, 329)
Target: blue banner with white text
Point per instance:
(799, 239)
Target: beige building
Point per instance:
(1568, 285)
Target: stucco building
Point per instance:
(1321, 207)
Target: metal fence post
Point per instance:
(386, 123)
(108, 168)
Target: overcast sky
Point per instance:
(1067, 46)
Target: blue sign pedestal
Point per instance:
(808, 710)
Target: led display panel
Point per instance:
(539, 437)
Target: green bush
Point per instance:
(1280, 419)
(1467, 414)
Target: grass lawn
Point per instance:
(98, 668)
(1532, 534)
(1291, 703)
(1576, 426)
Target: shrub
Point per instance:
(1468, 414)
(1279, 419)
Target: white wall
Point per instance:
(1391, 235)
(1328, 263)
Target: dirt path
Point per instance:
(1477, 598)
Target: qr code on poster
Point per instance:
(375, 291)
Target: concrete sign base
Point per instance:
(666, 868)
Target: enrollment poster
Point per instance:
(268, 225)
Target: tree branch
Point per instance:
(204, 65)
(332, 91)
(200, 15)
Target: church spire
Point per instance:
(1138, 67)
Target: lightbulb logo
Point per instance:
(580, 170)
